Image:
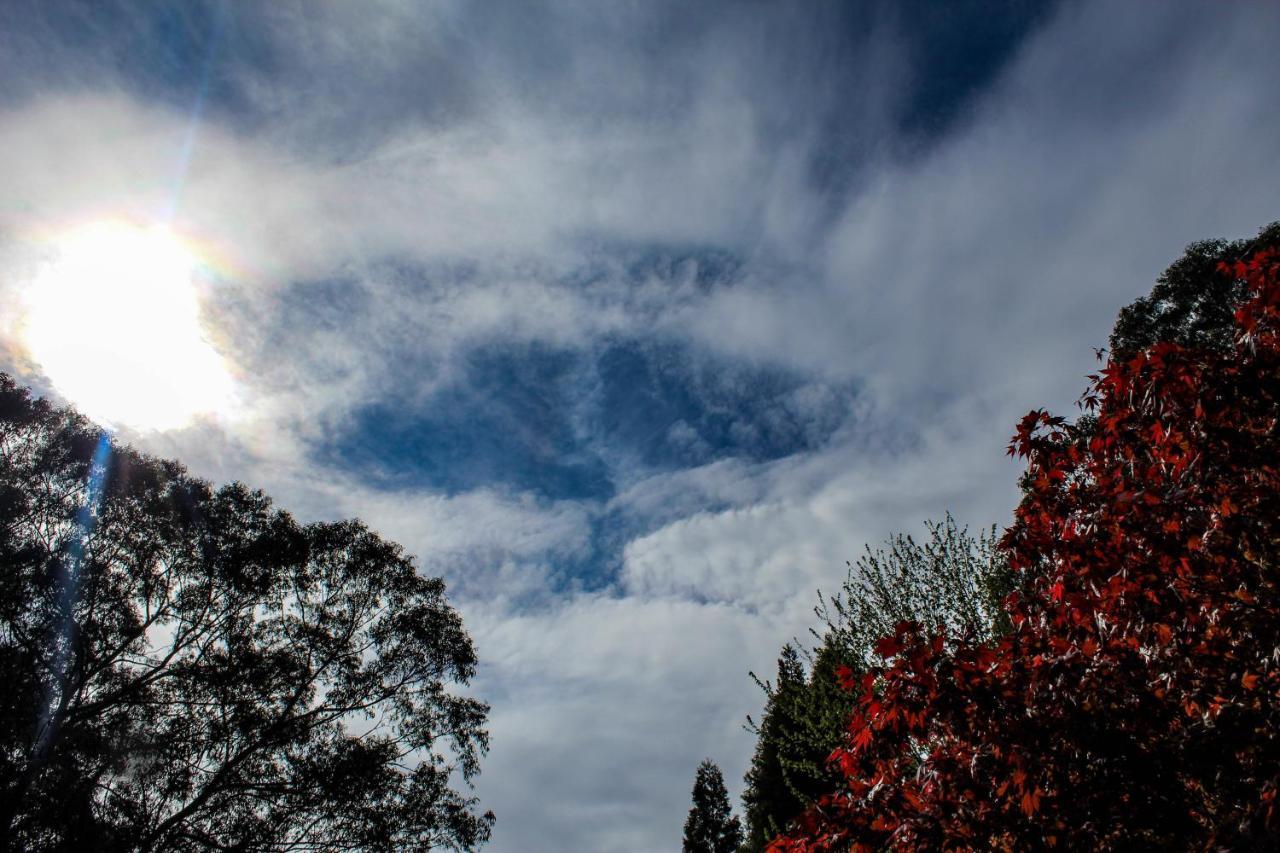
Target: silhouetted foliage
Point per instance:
(1136, 703)
(1190, 305)
(711, 826)
(187, 668)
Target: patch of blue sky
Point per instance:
(501, 424)
(955, 50)
(668, 407)
(576, 424)
(160, 50)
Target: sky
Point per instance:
(635, 321)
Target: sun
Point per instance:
(113, 320)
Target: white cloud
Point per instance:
(956, 288)
(603, 708)
(996, 260)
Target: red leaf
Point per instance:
(887, 647)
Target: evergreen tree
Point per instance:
(817, 720)
(768, 800)
(711, 826)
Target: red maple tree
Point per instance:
(1136, 703)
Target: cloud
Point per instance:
(602, 707)
(800, 295)
(1073, 183)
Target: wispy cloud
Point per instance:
(636, 321)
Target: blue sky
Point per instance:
(636, 321)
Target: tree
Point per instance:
(951, 579)
(711, 826)
(1136, 703)
(1190, 305)
(816, 718)
(769, 801)
(190, 668)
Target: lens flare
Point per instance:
(113, 320)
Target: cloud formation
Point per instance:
(636, 321)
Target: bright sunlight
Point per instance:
(114, 322)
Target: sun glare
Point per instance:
(114, 322)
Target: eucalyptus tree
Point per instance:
(187, 667)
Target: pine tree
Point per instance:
(769, 802)
(711, 826)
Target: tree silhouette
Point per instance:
(1191, 305)
(190, 668)
(711, 826)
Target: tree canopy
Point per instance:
(1191, 304)
(951, 579)
(711, 826)
(190, 668)
(1136, 701)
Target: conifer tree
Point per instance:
(768, 801)
(711, 826)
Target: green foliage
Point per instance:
(1136, 703)
(817, 716)
(188, 668)
(768, 800)
(951, 579)
(711, 826)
